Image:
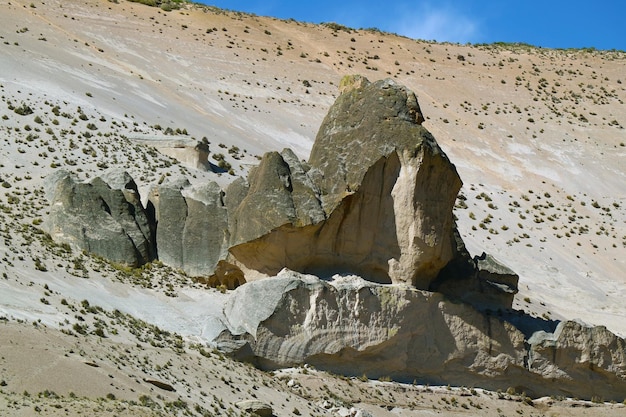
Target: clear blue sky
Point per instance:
(547, 23)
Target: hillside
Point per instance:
(537, 136)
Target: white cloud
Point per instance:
(441, 23)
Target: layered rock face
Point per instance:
(355, 327)
(103, 216)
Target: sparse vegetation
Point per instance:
(548, 99)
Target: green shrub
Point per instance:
(151, 3)
(23, 110)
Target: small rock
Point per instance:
(159, 384)
(256, 407)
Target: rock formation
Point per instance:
(375, 199)
(483, 281)
(278, 193)
(191, 225)
(355, 327)
(103, 216)
(189, 152)
(256, 408)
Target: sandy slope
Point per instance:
(56, 374)
(537, 136)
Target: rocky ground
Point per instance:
(140, 370)
(537, 137)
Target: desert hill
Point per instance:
(536, 135)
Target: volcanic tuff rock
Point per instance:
(191, 225)
(103, 216)
(375, 198)
(481, 281)
(278, 193)
(355, 327)
(256, 408)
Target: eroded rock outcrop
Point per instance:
(356, 327)
(189, 152)
(191, 225)
(103, 216)
(256, 408)
(278, 193)
(375, 199)
(482, 281)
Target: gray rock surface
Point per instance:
(103, 216)
(375, 199)
(368, 121)
(483, 281)
(191, 225)
(355, 327)
(412, 197)
(279, 193)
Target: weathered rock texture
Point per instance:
(355, 327)
(103, 216)
(256, 408)
(278, 193)
(375, 199)
(191, 225)
(483, 281)
(189, 152)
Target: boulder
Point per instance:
(368, 121)
(103, 216)
(256, 408)
(279, 193)
(191, 225)
(375, 199)
(353, 327)
(381, 122)
(482, 281)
